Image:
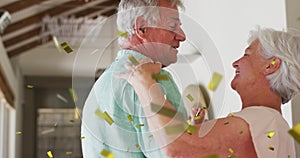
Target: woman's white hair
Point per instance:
(286, 46)
(129, 10)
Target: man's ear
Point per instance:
(140, 27)
(272, 65)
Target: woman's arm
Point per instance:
(211, 137)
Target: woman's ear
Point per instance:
(272, 65)
(140, 27)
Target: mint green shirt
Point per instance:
(118, 99)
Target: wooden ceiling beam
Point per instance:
(20, 5)
(38, 42)
(35, 32)
(37, 18)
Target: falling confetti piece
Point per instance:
(56, 43)
(137, 146)
(72, 121)
(18, 133)
(295, 132)
(189, 96)
(60, 97)
(191, 129)
(73, 94)
(66, 47)
(69, 153)
(160, 76)
(215, 81)
(271, 134)
(133, 60)
(197, 118)
(76, 113)
(271, 148)
(210, 156)
(232, 114)
(174, 129)
(105, 116)
(30, 86)
(166, 111)
(107, 154)
(121, 33)
(241, 132)
(130, 118)
(82, 137)
(226, 123)
(108, 119)
(49, 153)
(230, 150)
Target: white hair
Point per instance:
(129, 10)
(286, 46)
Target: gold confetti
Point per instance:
(166, 111)
(230, 150)
(271, 148)
(191, 129)
(49, 153)
(210, 156)
(295, 132)
(232, 114)
(82, 137)
(151, 136)
(189, 122)
(137, 146)
(299, 18)
(189, 96)
(104, 116)
(107, 153)
(174, 129)
(226, 123)
(130, 118)
(271, 134)
(197, 118)
(69, 153)
(133, 60)
(215, 81)
(160, 76)
(241, 132)
(231, 156)
(121, 33)
(73, 94)
(76, 113)
(30, 86)
(66, 47)
(273, 62)
(18, 132)
(72, 121)
(56, 43)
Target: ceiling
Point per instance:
(32, 48)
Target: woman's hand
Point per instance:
(140, 76)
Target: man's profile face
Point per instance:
(164, 39)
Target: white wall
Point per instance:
(15, 80)
(228, 23)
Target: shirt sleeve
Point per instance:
(269, 132)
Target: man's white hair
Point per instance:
(129, 10)
(286, 46)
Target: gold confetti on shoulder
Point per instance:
(160, 77)
(130, 118)
(189, 96)
(104, 116)
(271, 148)
(107, 154)
(121, 33)
(133, 60)
(271, 134)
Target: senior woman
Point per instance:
(267, 76)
